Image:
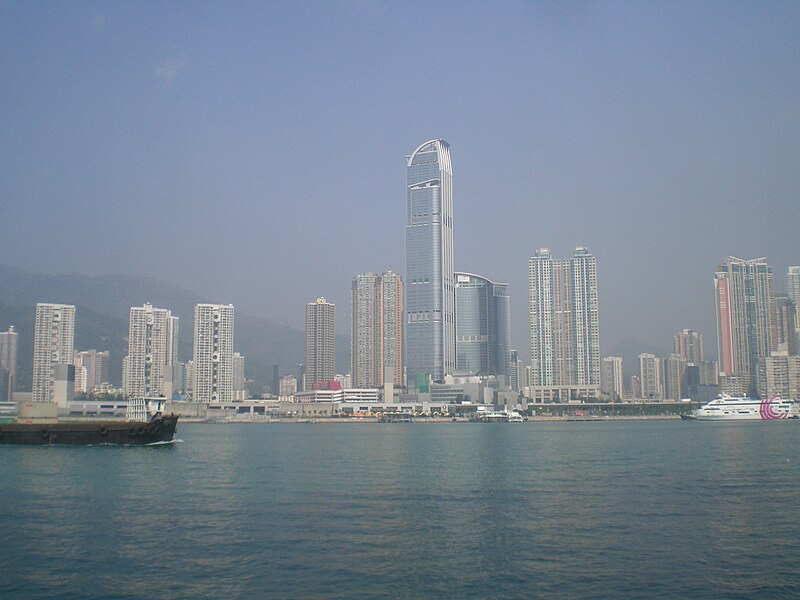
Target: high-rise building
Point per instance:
(364, 331)
(515, 375)
(780, 374)
(483, 327)
(151, 349)
(8, 364)
(377, 330)
(650, 377)
(689, 345)
(320, 342)
(636, 386)
(613, 380)
(674, 377)
(287, 386)
(746, 322)
(430, 284)
(213, 353)
(238, 372)
(53, 345)
(793, 284)
(793, 291)
(565, 338)
(188, 378)
(709, 372)
(91, 369)
(785, 324)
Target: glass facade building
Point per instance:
(483, 327)
(430, 285)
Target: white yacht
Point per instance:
(740, 407)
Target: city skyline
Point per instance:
(642, 132)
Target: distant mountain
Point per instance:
(101, 321)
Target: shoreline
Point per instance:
(424, 420)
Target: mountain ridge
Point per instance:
(103, 304)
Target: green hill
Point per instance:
(101, 321)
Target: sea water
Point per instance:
(599, 509)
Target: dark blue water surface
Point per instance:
(608, 510)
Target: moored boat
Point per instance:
(727, 408)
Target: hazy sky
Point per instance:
(254, 152)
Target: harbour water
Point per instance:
(605, 510)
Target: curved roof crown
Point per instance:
(439, 146)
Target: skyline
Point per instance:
(663, 138)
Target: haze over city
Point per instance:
(255, 154)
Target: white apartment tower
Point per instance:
(320, 342)
(150, 352)
(53, 345)
(213, 353)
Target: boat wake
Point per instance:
(167, 443)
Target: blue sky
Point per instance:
(253, 152)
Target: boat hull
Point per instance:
(159, 429)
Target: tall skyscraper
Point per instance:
(565, 332)
(213, 353)
(613, 378)
(377, 330)
(650, 377)
(53, 345)
(689, 345)
(8, 364)
(320, 342)
(430, 284)
(483, 327)
(746, 322)
(150, 352)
